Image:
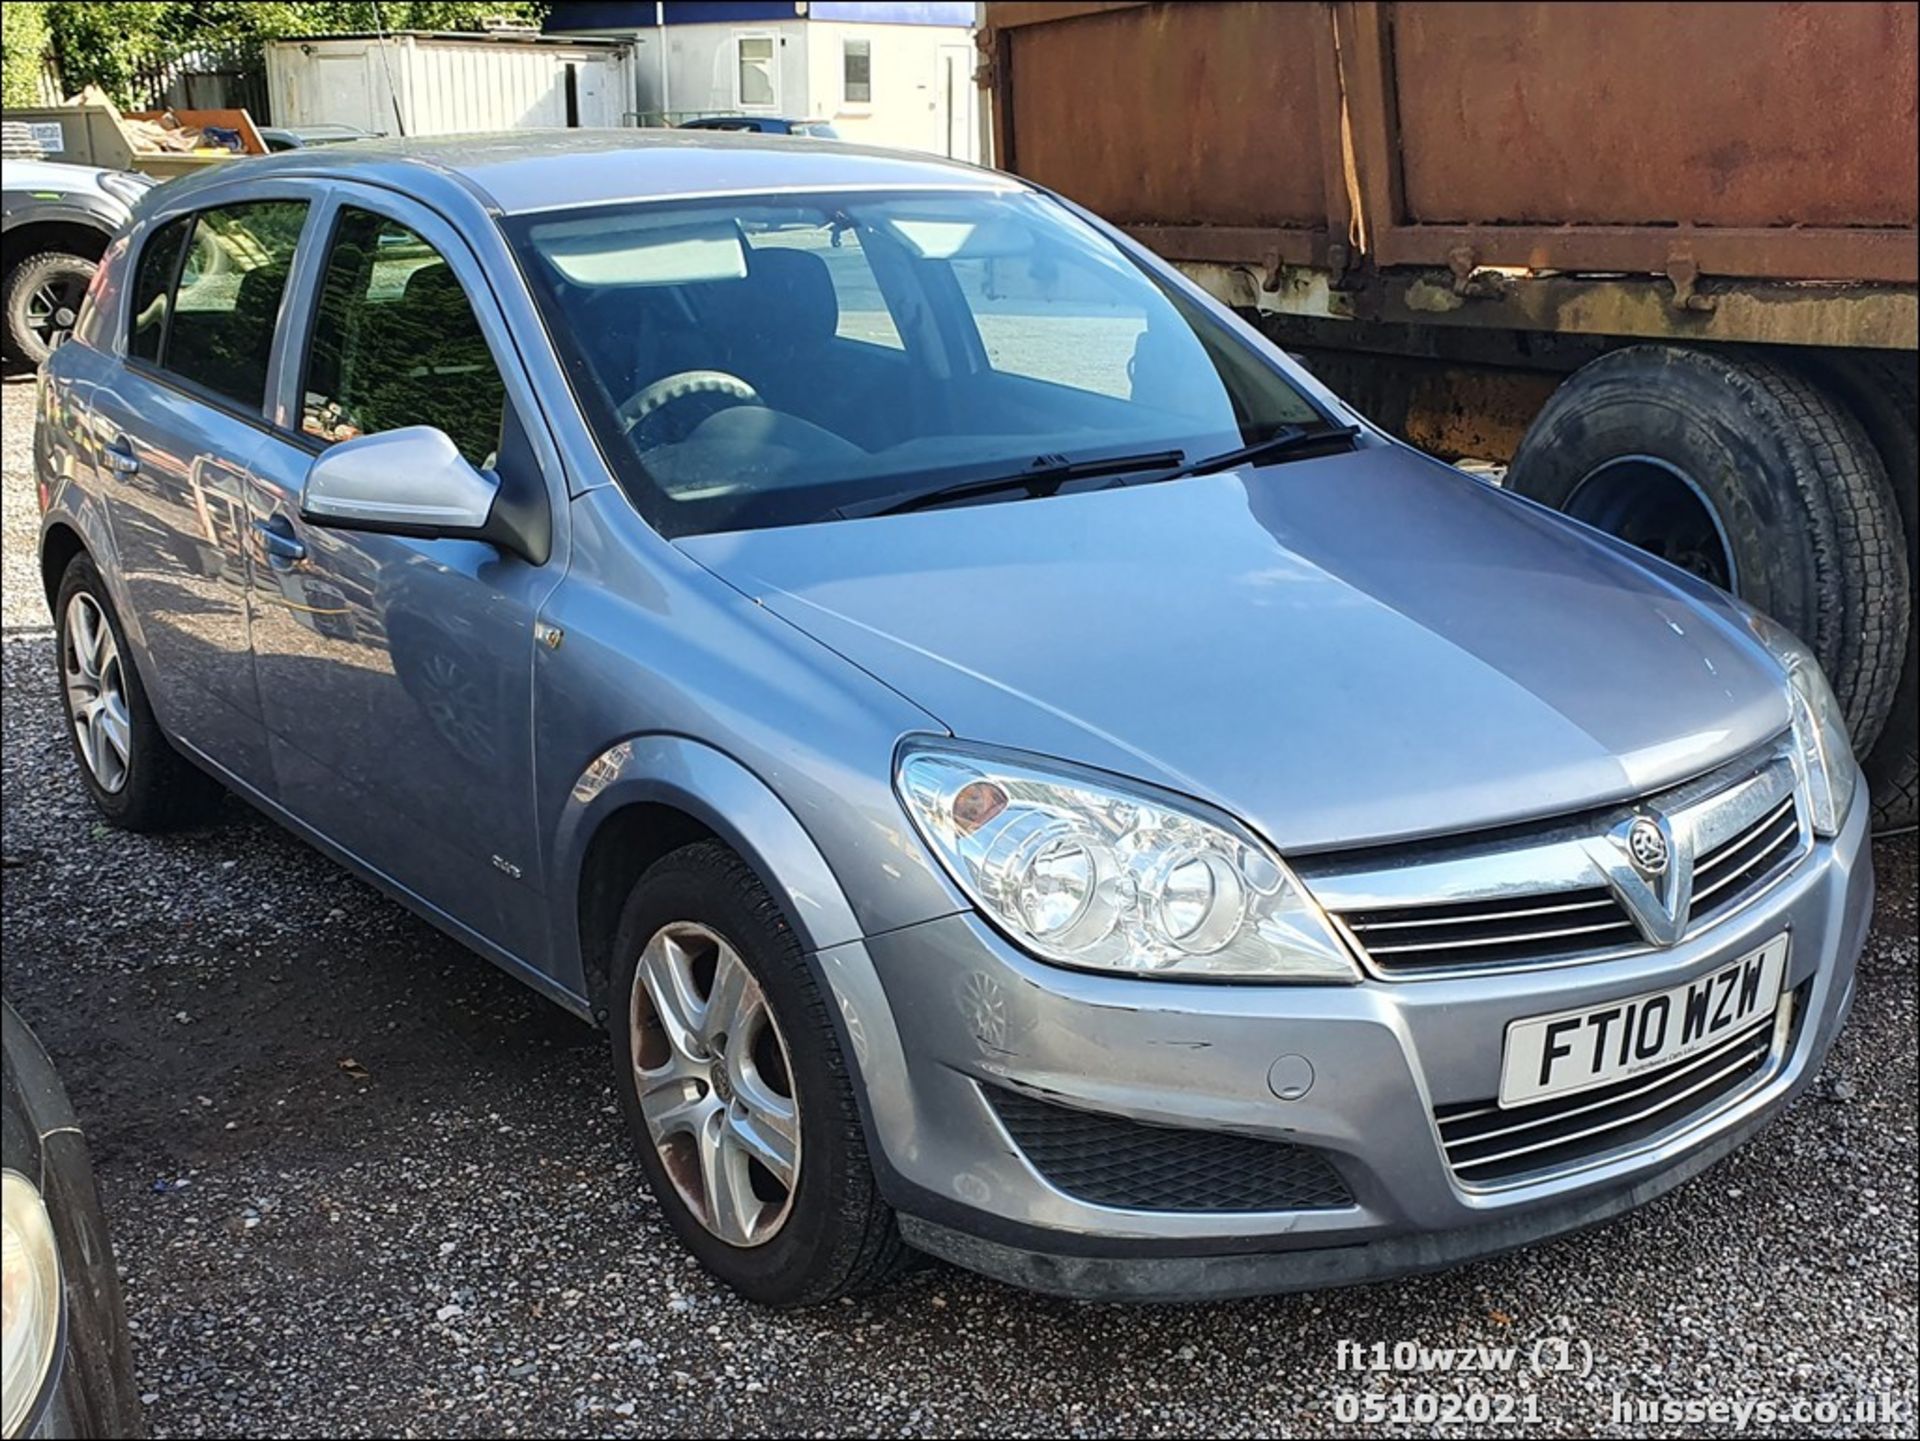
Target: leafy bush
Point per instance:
(23, 48)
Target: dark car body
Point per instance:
(299, 137)
(37, 194)
(763, 125)
(55, 222)
(88, 1390)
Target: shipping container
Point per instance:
(1659, 258)
(448, 83)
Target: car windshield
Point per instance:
(763, 361)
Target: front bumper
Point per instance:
(971, 1011)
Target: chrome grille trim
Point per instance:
(1736, 1066)
(1768, 844)
(1519, 913)
(1457, 935)
(1740, 1044)
(1497, 902)
(1505, 938)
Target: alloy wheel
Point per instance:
(96, 693)
(715, 1084)
(53, 306)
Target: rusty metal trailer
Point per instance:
(1660, 258)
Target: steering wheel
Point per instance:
(682, 385)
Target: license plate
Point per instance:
(1597, 1045)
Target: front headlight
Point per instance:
(1819, 732)
(29, 1302)
(1089, 873)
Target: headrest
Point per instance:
(794, 292)
(259, 290)
(434, 285)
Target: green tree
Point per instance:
(101, 44)
(106, 44)
(25, 41)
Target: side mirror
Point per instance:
(411, 481)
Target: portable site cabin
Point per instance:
(444, 83)
(881, 72)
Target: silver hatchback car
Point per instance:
(1019, 770)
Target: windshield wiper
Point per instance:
(1044, 477)
(1289, 440)
(1049, 472)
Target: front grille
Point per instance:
(1486, 1145)
(1108, 1161)
(1527, 928)
(1730, 872)
(1537, 895)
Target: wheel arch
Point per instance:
(60, 542)
(648, 795)
(76, 525)
(83, 237)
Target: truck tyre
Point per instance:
(43, 296)
(1881, 394)
(1749, 476)
(735, 1089)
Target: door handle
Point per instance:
(283, 548)
(120, 456)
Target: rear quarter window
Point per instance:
(153, 283)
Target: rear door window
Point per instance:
(396, 342)
(218, 330)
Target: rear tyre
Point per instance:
(735, 1089)
(1751, 477)
(42, 300)
(1881, 395)
(130, 769)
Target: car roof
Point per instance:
(546, 169)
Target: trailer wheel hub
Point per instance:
(1655, 505)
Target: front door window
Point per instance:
(396, 343)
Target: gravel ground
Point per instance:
(361, 1183)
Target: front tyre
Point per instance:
(735, 1089)
(136, 778)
